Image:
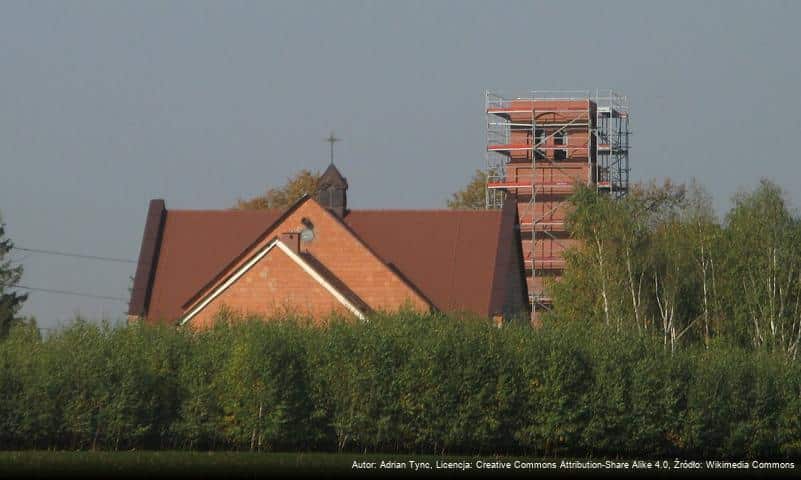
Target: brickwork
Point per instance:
(351, 261)
(272, 283)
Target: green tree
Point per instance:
(661, 259)
(675, 289)
(302, 183)
(762, 280)
(472, 196)
(594, 272)
(704, 233)
(618, 273)
(10, 302)
(264, 384)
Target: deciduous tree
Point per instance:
(473, 195)
(763, 269)
(302, 183)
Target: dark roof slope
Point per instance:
(332, 177)
(148, 255)
(195, 245)
(449, 255)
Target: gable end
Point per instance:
(355, 307)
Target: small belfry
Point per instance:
(332, 188)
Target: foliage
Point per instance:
(403, 382)
(762, 254)
(658, 262)
(473, 195)
(302, 183)
(10, 302)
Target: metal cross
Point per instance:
(332, 139)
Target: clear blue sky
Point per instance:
(105, 105)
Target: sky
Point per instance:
(105, 105)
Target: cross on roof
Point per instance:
(332, 139)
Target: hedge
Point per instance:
(402, 383)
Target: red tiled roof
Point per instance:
(448, 256)
(195, 245)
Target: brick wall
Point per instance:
(351, 261)
(272, 286)
(272, 283)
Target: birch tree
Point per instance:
(597, 221)
(705, 233)
(764, 269)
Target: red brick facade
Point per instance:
(275, 284)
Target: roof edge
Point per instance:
(424, 210)
(500, 275)
(244, 252)
(148, 258)
(320, 277)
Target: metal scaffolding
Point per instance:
(612, 133)
(539, 145)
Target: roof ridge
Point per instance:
(359, 210)
(226, 210)
(423, 210)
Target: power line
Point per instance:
(67, 292)
(74, 255)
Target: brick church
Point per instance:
(318, 257)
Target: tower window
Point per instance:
(560, 138)
(539, 136)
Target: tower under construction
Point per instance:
(540, 145)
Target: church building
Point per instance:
(318, 258)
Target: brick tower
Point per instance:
(539, 146)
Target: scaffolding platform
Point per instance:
(552, 187)
(542, 226)
(551, 263)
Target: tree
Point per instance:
(762, 280)
(597, 220)
(302, 183)
(705, 237)
(623, 271)
(472, 196)
(661, 259)
(10, 302)
(662, 214)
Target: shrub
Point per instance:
(402, 382)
